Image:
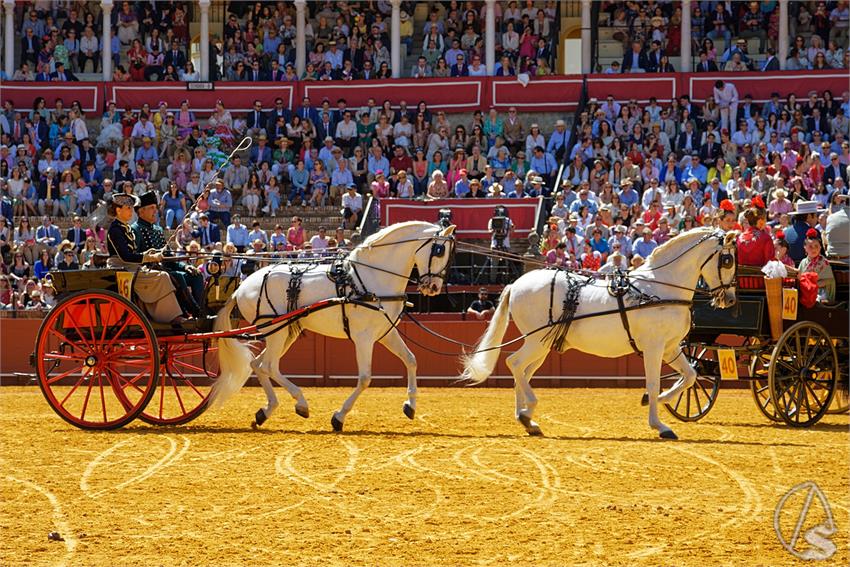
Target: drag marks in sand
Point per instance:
(461, 484)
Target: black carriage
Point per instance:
(794, 358)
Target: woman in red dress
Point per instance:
(755, 246)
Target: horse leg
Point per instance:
(280, 347)
(652, 367)
(523, 364)
(267, 368)
(264, 413)
(393, 342)
(680, 363)
(363, 350)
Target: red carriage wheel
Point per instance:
(186, 374)
(97, 360)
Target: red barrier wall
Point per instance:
(557, 93)
(311, 355)
(470, 217)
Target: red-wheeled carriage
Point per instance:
(101, 362)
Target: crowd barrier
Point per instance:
(557, 93)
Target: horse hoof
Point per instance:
(336, 424)
(644, 401)
(524, 420)
(535, 431)
(408, 410)
(259, 418)
(668, 435)
(303, 412)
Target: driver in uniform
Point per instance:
(187, 280)
(153, 288)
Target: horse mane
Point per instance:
(382, 235)
(679, 242)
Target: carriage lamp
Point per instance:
(214, 266)
(444, 217)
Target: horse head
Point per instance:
(433, 258)
(720, 267)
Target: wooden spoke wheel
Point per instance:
(186, 373)
(802, 374)
(841, 400)
(760, 386)
(97, 360)
(695, 402)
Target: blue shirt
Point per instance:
(461, 188)
(629, 196)
(578, 204)
(700, 172)
(643, 248)
(600, 246)
(544, 165)
(148, 154)
(375, 165)
(238, 235)
(557, 140)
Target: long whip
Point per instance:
(243, 145)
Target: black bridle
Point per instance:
(727, 260)
(439, 245)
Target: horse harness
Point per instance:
(349, 286)
(621, 286)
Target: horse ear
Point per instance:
(449, 230)
(730, 237)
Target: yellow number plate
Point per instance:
(728, 364)
(125, 281)
(789, 304)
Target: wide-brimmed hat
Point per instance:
(780, 193)
(807, 208)
(125, 199)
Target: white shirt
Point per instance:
(319, 242)
(79, 129)
(726, 96)
(88, 44)
(346, 130)
(352, 202)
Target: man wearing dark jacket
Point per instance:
(175, 57)
(710, 151)
(635, 61)
(705, 64)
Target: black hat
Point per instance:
(148, 198)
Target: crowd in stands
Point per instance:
(639, 175)
(344, 41)
(651, 34)
(635, 175)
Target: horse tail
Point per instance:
(478, 366)
(234, 360)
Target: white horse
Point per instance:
(669, 277)
(378, 270)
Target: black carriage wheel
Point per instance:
(841, 400)
(759, 385)
(695, 402)
(802, 374)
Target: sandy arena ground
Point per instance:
(460, 485)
